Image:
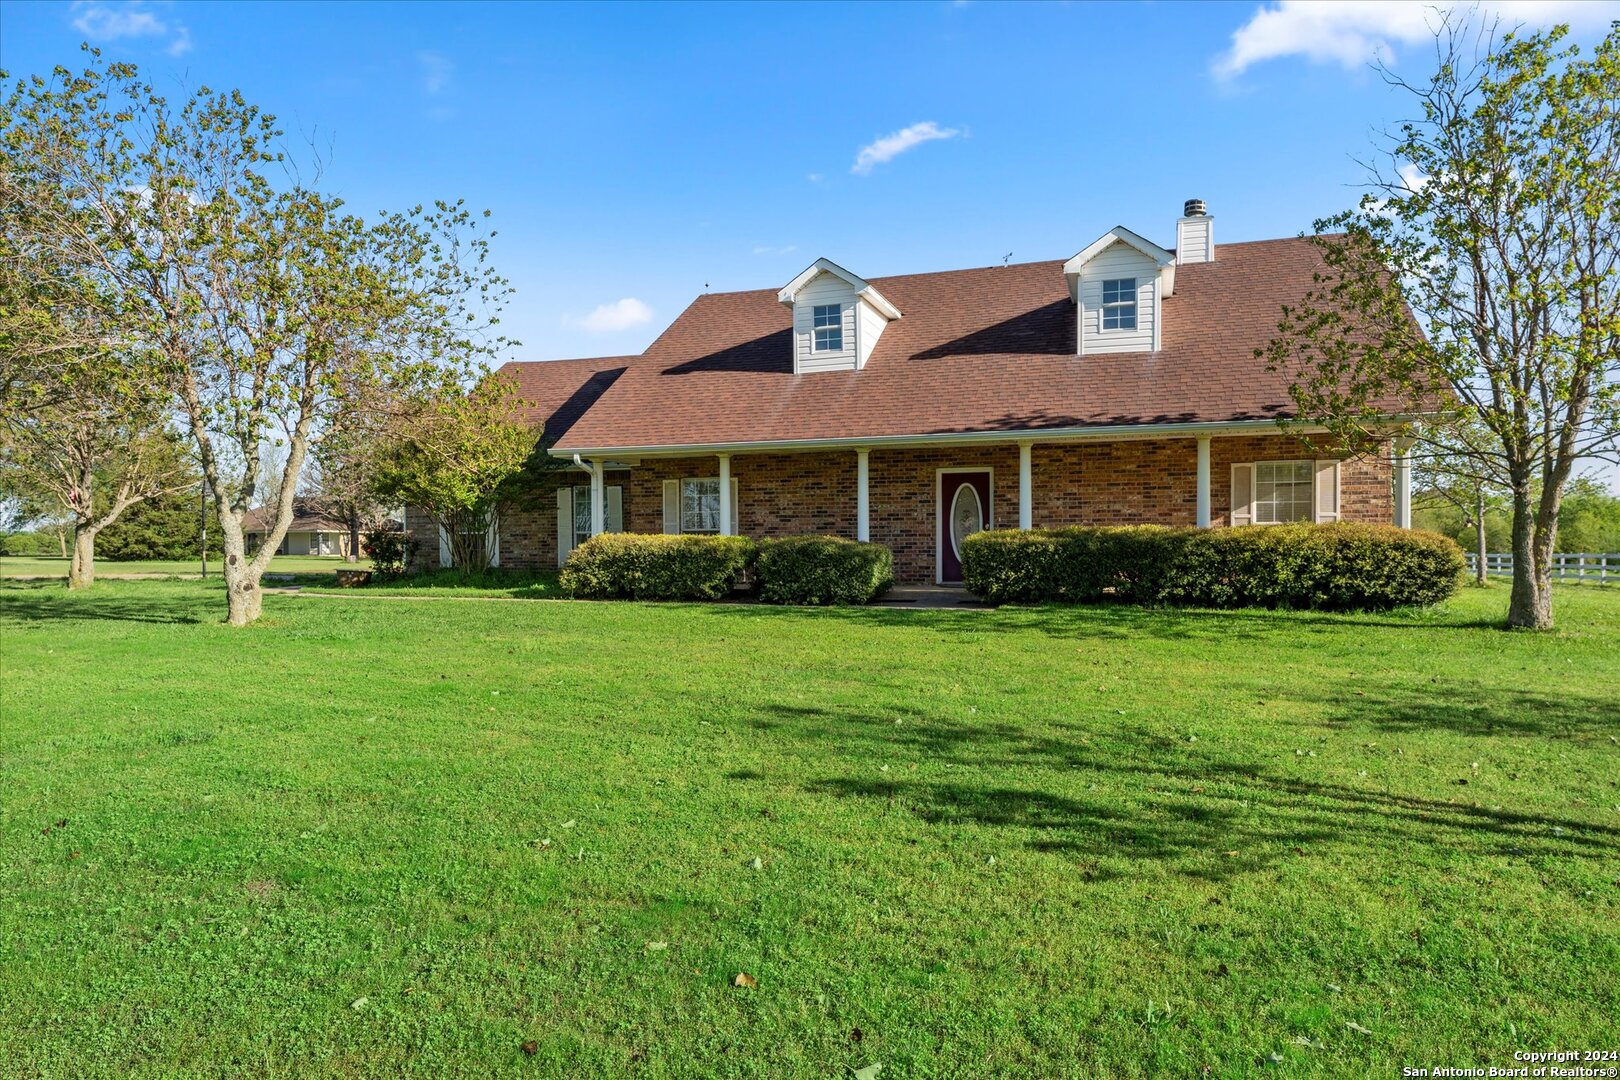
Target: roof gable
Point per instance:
(862, 288)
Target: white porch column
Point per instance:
(1403, 483)
(725, 494)
(863, 505)
(1203, 481)
(1026, 493)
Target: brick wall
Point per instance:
(1148, 481)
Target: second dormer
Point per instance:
(1118, 284)
(837, 318)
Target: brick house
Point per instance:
(1116, 387)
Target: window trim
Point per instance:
(817, 327)
(1106, 306)
(1310, 498)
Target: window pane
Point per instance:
(1127, 318)
(700, 506)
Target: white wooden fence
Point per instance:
(1601, 567)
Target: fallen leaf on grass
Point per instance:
(757, 863)
(745, 979)
(569, 824)
(531, 1048)
(1230, 854)
(1357, 1028)
(655, 946)
(359, 1003)
(869, 1072)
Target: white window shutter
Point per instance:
(1327, 491)
(615, 509)
(493, 540)
(1243, 494)
(445, 554)
(672, 506)
(734, 507)
(565, 523)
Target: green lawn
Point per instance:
(370, 837)
(36, 566)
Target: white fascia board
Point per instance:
(808, 274)
(955, 438)
(865, 291)
(1119, 234)
(879, 303)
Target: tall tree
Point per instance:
(1494, 218)
(265, 304)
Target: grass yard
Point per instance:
(376, 837)
(46, 566)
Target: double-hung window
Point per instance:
(1119, 304)
(1282, 492)
(700, 505)
(828, 325)
(582, 514)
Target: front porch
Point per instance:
(904, 497)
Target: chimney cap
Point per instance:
(1193, 208)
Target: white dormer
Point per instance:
(1118, 284)
(837, 318)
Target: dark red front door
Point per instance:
(964, 509)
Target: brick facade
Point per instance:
(1147, 481)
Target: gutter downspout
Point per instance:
(598, 495)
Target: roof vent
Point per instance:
(1193, 208)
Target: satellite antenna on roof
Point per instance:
(1004, 259)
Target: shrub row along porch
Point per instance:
(921, 501)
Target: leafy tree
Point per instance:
(95, 450)
(461, 459)
(265, 306)
(1589, 518)
(169, 526)
(1494, 219)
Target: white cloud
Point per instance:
(892, 146)
(611, 318)
(437, 70)
(1353, 33)
(766, 249)
(114, 21)
(815, 178)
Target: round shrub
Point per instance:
(1339, 567)
(823, 570)
(634, 566)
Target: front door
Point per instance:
(964, 509)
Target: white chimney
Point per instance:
(1195, 234)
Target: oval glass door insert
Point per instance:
(967, 516)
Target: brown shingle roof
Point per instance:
(559, 392)
(986, 350)
(309, 515)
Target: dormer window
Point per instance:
(1119, 304)
(829, 327)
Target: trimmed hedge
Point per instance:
(653, 567)
(1339, 567)
(823, 570)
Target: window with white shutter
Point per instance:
(1327, 491)
(1242, 494)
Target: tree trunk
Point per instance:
(244, 597)
(354, 535)
(1479, 540)
(82, 570)
(1530, 605)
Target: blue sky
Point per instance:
(633, 155)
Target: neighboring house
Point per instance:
(314, 530)
(1116, 387)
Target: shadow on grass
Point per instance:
(50, 601)
(1207, 816)
(1114, 622)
